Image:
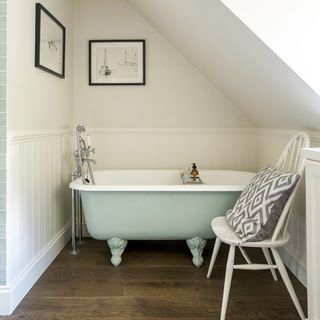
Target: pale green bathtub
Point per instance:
(154, 205)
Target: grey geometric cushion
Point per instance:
(258, 209)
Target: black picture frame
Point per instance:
(57, 68)
(137, 63)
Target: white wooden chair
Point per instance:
(289, 161)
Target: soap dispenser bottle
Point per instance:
(194, 175)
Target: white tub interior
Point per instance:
(138, 177)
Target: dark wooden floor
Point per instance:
(156, 281)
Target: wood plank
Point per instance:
(156, 281)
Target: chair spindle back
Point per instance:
(290, 161)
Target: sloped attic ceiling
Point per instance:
(236, 61)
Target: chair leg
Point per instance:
(227, 282)
(214, 256)
(245, 255)
(287, 282)
(269, 260)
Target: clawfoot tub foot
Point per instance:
(117, 247)
(196, 246)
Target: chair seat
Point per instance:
(225, 233)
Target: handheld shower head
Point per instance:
(80, 128)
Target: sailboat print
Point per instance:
(104, 69)
(129, 60)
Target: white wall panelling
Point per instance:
(313, 224)
(174, 148)
(3, 137)
(38, 201)
(40, 164)
(38, 161)
(269, 146)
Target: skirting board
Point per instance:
(294, 265)
(11, 296)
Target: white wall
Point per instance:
(290, 28)
(177, 103)
(236, 61)
(176, 94)
(39, 109)
(40, 113)
(36, 99)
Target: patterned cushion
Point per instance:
(257, 211)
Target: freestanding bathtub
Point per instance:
(155, 205)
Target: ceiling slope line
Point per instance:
(215, 87)
(247, 72)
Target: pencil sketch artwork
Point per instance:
(117, 62)
(113, 63)
(51, 44)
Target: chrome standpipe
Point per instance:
(74, 250)
(82, 159)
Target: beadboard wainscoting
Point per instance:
(270, 144)
(38, 222)
(174, 148)
(3, 137)
(39, 167)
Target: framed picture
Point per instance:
(50, 42)
(116, 62)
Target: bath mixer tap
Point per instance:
(82, 156)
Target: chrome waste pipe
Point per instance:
(74, 250)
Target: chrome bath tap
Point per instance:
(82, 156)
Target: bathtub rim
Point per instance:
(77, 184)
